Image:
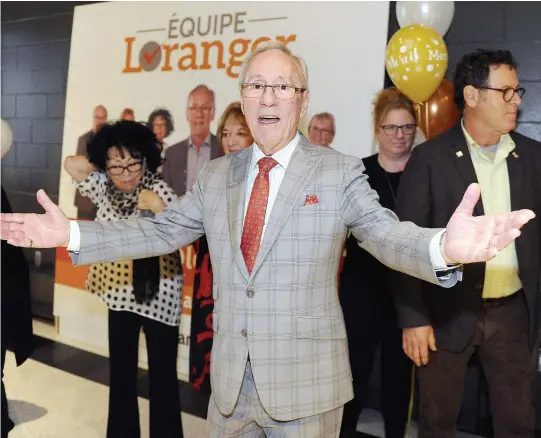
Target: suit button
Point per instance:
(478, 286)
(250, 293)
(244, 333)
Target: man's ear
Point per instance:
(471, 96)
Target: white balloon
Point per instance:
(434, 14)
(7, 138)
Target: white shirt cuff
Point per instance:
(438, 262)
(74, 244)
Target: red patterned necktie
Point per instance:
(255, 214)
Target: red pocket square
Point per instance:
(311, 199)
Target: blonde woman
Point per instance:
(233, 135)
(366, 299)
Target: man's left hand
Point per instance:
(472, 239)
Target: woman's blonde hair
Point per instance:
(388, 100)
(233, 110)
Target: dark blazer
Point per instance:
(16, 310)
(431, 188)
(176, 163)
(363, 275)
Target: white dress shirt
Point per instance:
(276, 176)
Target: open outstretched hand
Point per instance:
(472, 239)
(48, 230)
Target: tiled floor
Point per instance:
(62, 393)
(46, 402)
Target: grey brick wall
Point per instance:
(34, 60)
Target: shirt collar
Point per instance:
(283, 156)
(506, 143)
(205, 143)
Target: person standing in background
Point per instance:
(234, 135)
(128, 115)
(161, 123)
(495, 311)
(321, 129)
(365, 294)
(120, 177)
(184, 160)
(85, 208)
(16, 305)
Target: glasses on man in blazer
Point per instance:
(508, 93)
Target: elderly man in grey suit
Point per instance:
(184, 160)
(276, 216)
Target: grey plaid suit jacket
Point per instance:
(285, 315)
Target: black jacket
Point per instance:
(16, 310)
(432, 186)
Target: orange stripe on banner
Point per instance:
(68, 274)
(75, 276)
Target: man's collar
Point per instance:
(505, 140)
(283, 156)
(205, 143)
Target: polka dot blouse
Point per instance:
(112, 282)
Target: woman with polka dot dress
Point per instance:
(119, 176)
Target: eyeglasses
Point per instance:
(508, 93)
(321, 130)
(280, 91)
(204, 109)
(131, 168)
(408, 129)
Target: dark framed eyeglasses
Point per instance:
(280, 91)
(407, 129)
(508, 93)
(119, 170)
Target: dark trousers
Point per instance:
(164, 400)
(370, 324)
(501, 340)
(7, 424)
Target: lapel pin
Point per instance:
(459, 154)
(514, 154)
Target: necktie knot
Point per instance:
(266, 164)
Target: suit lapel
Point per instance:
(183, 164)
(516, 189)
(236, 194)
(461, 158)
(302, 165)
(514, 168)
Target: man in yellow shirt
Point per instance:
(495, 310)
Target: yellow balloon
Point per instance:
(416, 61)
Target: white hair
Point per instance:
(323, 116)
(298, 62)
(203, 87)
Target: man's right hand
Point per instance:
(49, 230)
(416, 341)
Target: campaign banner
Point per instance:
(144, 56)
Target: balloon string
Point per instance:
(422, 113)
(427, 120)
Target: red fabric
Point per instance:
(255, 214)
